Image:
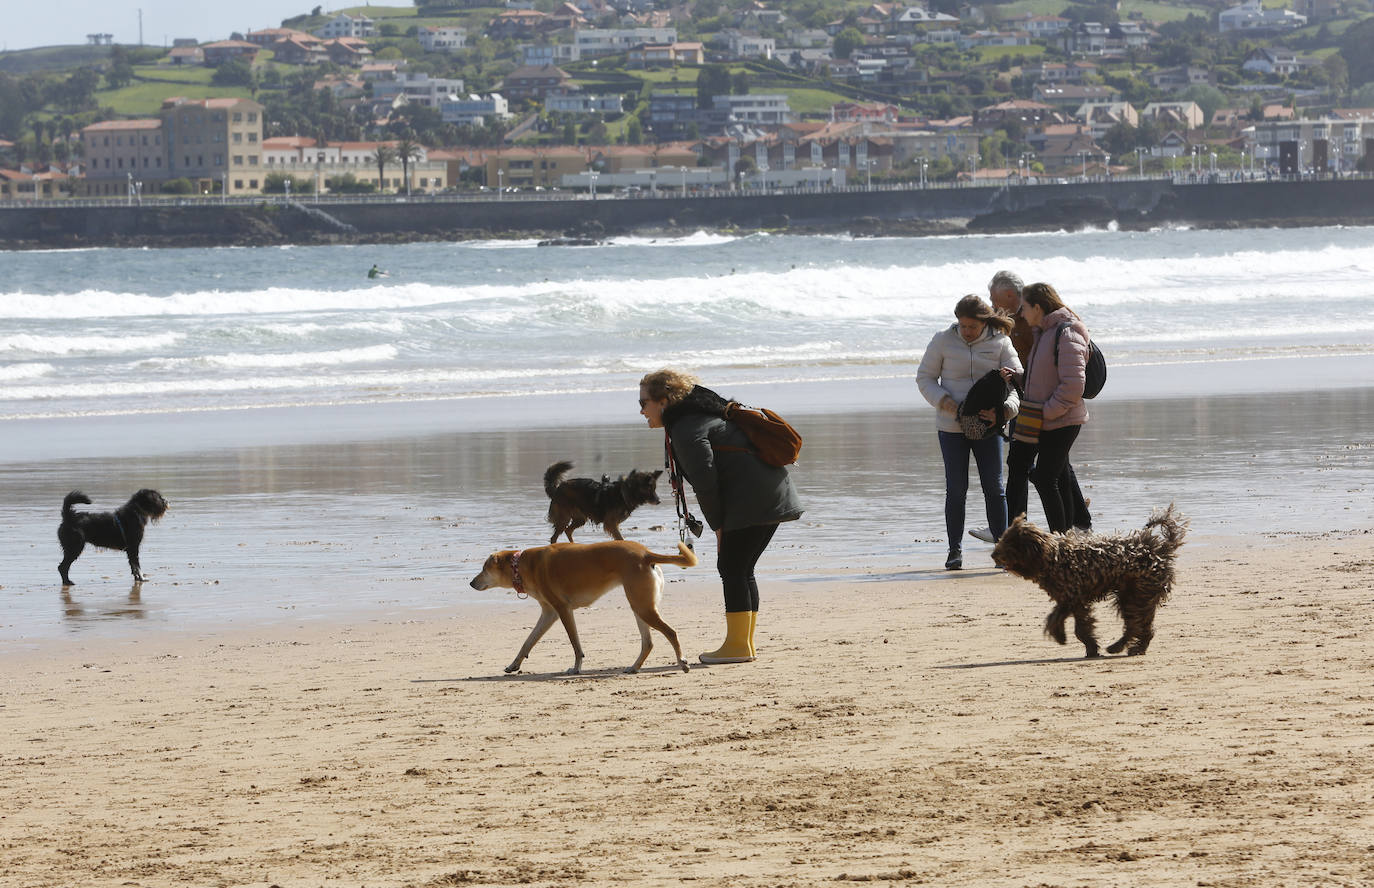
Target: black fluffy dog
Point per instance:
(121, 529)
(1135, 570)
(577, 501)
(988, 393)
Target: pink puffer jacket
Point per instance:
(1060, 387)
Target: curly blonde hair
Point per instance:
(668, 385)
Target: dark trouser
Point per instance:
(1051, 476)
(987, 453)
(739, 551)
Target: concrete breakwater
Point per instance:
(1126, 202)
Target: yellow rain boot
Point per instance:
(736, 647)
(753, 620)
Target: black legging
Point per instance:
(739, 551)
(1049, 476)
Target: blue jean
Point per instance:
(987, 453)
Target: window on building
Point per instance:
(157, 161)
(238, 118)
(252, 160)
(238, 138)
(219, 160)
(252, 117)
(253, 183)
(106, 143)
(119, 162)
(252, 137)
(238, 160)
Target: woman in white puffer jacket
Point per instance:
(956, 358)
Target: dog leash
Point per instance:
(679, 495)
(516, 579)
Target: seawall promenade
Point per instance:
(1129, 202)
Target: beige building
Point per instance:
(121, 154)
(215, 143)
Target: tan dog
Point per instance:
(565, 576)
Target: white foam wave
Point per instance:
(369, 381)
(16, 372)
(369, 355)
(27, 344)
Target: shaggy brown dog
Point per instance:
(1078, 569)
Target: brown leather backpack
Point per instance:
(775, 441)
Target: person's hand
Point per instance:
(1010, 375)
(947, 405)
(988, 415)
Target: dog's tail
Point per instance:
(685, 557)
(72, 499)
(553, 474)
(1172, 526)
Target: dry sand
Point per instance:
(912, 728)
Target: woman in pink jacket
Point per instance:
(1054, 378)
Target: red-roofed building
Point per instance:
(222, 51)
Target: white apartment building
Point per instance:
(1329, 144)
(1252, 16)
(474, 110)
(594, 42)
(345, 25)
(420, 89)
(758, 109)
(446, 39)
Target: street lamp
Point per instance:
(868, 171)
(973, 163)
(684, 180)
(923, 172)
(287, 183)
(500, 183)
(1083, 156)
(223, 188)
(138, 192)
(129, 195)
(591, 174)
(763, 169)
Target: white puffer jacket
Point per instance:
(950, 366)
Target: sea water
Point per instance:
(123, 331)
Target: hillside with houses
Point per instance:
(446, 96)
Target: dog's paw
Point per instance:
(514, 667)
(1092, 654)
(1116, 647)
(685, 667)
(573, 670)
(631, 670)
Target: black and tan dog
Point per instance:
(577, 501)
(121, 529)
(565, 576)
(1135, 569)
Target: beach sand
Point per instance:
(912, 728)
(307, 693)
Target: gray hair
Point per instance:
(1006, 280)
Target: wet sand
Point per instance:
(306, 692)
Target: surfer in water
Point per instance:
(375, 272)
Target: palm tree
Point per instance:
(407, 149)
(383, 156)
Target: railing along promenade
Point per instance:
(703, 193)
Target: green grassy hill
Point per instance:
(52, 58)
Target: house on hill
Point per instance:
(221, 51)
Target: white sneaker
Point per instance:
(983, 533)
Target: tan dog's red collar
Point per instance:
(516, 579)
